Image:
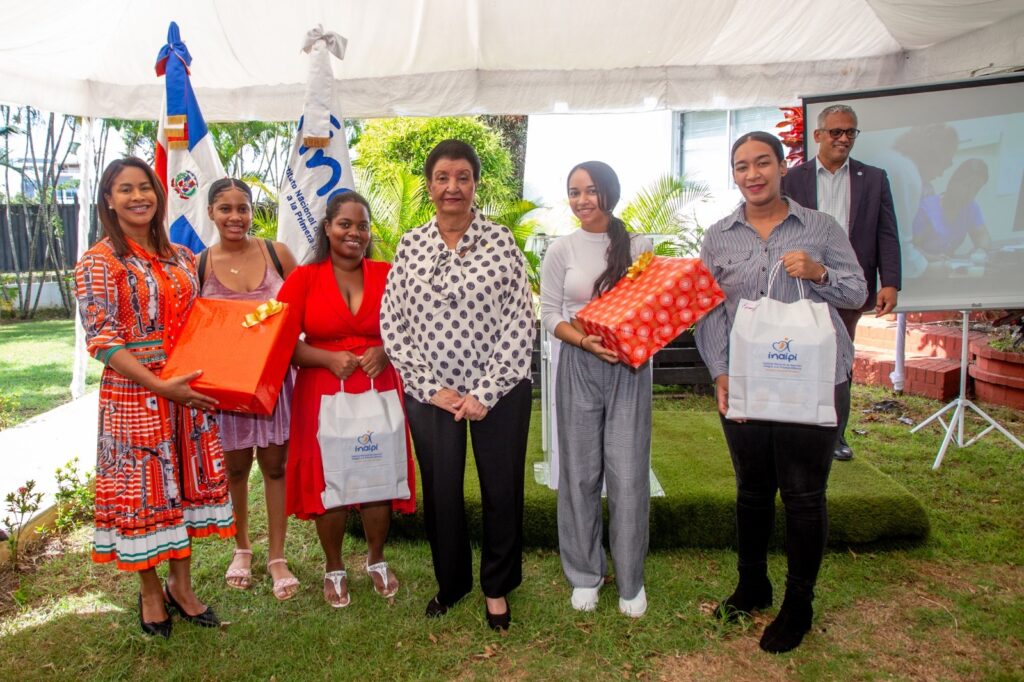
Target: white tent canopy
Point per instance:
(438, 57)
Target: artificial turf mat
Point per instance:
(692, 463)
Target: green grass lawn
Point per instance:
(35, 368)
(692, 463)
(951, 607)
(948, 607)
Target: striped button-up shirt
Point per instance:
(741, 262)
(834, 193)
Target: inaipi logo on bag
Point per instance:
(365, 448)
(781, 356)
(780, 350)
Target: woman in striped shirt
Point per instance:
(771, 456)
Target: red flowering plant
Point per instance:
(794, 137)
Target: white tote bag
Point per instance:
(363, 447)
(782, 360)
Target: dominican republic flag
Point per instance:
(186, 160)
(319, 166)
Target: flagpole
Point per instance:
(85, 156)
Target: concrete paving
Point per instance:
(33, 450)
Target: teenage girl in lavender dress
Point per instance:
(243, 268)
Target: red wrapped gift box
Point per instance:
(644, 312)
(243, 368)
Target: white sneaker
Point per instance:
(585, 598)
(635, 607)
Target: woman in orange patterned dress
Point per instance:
(160, 477)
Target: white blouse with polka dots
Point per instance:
(459, 318)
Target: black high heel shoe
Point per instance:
(499, 621)
(206, 619)
(158, 628)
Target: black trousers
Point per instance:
(795, 460)
(850, 318)
(499, 448)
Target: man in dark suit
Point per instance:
(859, 198)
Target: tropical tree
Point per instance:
(42, 224)
(403, 144)
(398, 202)
(667, 207)
(264, 211)
(513, 131)
(139, 137)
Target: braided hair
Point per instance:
(618, 255)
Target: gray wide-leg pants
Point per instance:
(604, 434)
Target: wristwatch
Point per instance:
(823, 280)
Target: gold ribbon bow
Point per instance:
(265, 310)
(640, 264)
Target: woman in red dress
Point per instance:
(337, 297)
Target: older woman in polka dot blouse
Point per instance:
(457, 322)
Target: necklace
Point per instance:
(245, 252)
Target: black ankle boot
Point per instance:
(788, 629)
(751, 593)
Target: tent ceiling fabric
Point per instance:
(434, 57)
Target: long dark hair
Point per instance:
(322, 245)
(618, 255)
(108, 218)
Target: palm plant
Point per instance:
(264, 213)
(398, 202)
(666, 207)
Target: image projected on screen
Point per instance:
(954, 155)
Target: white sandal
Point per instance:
(281, 585)
(381, 569)
(336, 577)
(243, 574)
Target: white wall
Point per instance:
(638, 146)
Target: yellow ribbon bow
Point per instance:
(640, 264)
(265, 310)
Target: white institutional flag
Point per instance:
(319, 166)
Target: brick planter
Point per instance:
(998, 376)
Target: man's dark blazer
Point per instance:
(872, 219)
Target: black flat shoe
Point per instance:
(160, 628)
(435, 609)
(499, 621)
(206, 619)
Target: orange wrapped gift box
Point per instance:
(654, 303)
(243, 367)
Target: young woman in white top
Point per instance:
(603, 407)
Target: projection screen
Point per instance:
(954, 153)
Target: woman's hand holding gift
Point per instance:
(177, 389)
